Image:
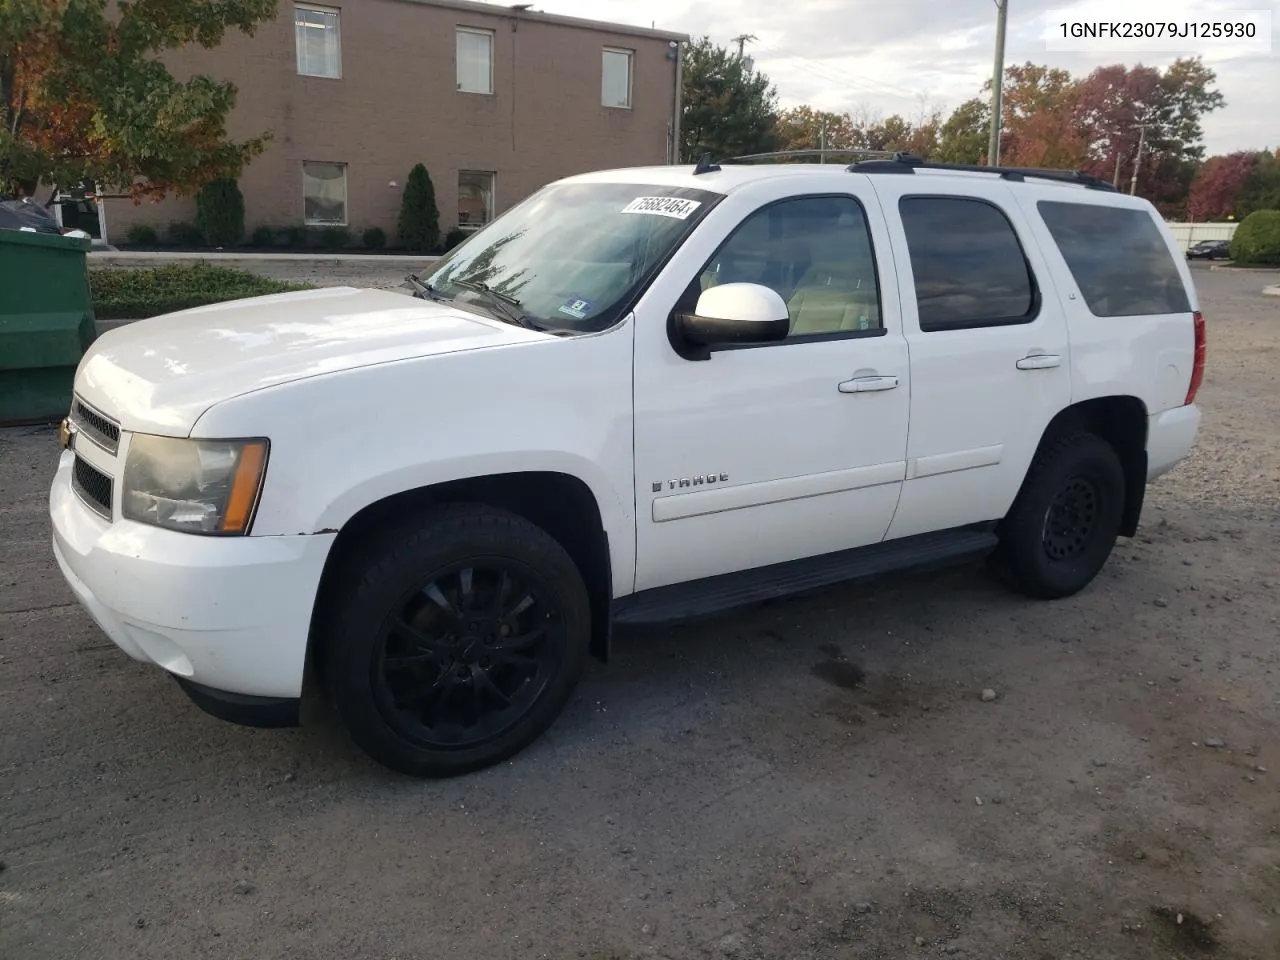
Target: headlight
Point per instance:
(197, 486)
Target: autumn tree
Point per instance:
(84, 96)
(1218, 186)
(1120, 106)
(1039, 126)
(801, 128)
(729, 110)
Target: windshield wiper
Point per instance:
(423, 289)
(502, 303)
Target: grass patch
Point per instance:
(125, 294)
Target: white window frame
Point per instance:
(493, 199)
(346, 195)
(297, 47)
(457, 60)
(630, 56)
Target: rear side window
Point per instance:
(969, 267)
(1118, 259)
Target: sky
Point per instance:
(875, 58)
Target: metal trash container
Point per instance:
(46, 323)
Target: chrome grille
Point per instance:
(98, 427)
(93, 487)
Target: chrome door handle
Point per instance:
(1041, 361)
(868, 384)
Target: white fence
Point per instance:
(1188, 233)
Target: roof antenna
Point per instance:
(706, 166)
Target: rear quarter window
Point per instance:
(1118, 258)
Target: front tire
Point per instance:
(1062, 527)
(455, 645)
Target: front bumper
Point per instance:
(227, 616)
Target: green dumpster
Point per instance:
(46, 323)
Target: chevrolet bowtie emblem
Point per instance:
(66, 433)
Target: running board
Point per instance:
(698, 598)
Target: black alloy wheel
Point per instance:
(463, 657)
(454, 640)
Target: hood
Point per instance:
(161, 374)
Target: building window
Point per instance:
(319, 46)
(475, 61)
(968, 264)
(616, 78)
(475, 199)
(324, 193)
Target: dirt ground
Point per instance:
(719, 790)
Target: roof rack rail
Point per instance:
(829, 151)
(908, 163)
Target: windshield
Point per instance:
(573, 255)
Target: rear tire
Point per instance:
(455, 644)
(1063, 525)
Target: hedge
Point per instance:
(125, 294)
(1257, 239)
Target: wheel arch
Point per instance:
(561, 504)
(1121, 420)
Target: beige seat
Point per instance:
(832, 298)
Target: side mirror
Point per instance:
(735, 313)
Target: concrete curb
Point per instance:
(107, 258)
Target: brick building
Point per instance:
(496, 101)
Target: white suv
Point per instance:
(640, 395)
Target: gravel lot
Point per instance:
(718, 790)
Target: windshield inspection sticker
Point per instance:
(675, 207)
(577, 308)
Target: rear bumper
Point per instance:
(1170, 437)
(229, 615)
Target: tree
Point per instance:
(729, 108)
(1218, 186)
(962, 138)
(801, 129)
(419, 223)
(220, 212)
(1039, 126)
(1262, 189)
(85, 98)
(1119, 106)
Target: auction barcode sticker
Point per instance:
(675, 207)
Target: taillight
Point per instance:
(1197, 368)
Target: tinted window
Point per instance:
(814, 252)
(1118, 259)
(969, 268)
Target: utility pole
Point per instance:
(997, 84)
(743, 39)
(822, 141)
(1137, 161)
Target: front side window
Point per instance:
(475, 199)
(475, 61)
(970, 270)
(815, 253)
(573, 255)
(616, 74)
(324, 193)
(1117, 258)
(316, 37)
